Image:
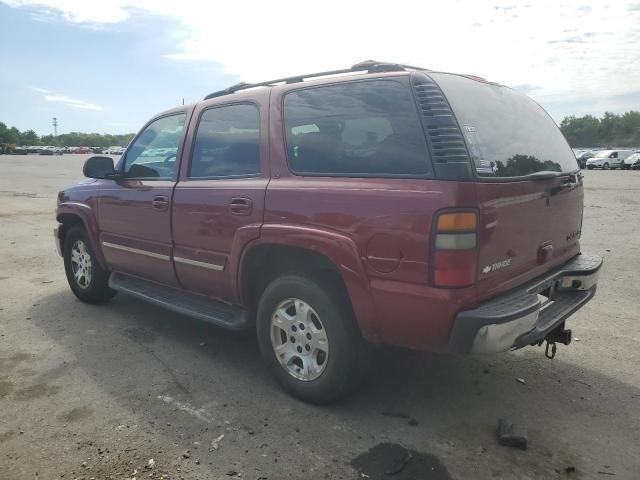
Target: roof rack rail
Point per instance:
(370, 66)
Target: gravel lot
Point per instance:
(98, 391)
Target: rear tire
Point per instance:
(309, 339)
(87, 279)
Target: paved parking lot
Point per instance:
(98, 391)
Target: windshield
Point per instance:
(603, 154)
(507, 133)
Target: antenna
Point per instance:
(55, 127)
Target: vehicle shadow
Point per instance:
(189, 379)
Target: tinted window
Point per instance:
(153, 153)
(507, 133)
(356, 129)
(227, 143)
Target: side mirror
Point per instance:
(99, 167)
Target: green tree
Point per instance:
(29, 137)
(612, 130)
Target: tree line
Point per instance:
(13, 136)
(612, 130)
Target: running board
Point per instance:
(195, 306)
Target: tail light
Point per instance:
(454, 258)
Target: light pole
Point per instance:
(55, 127)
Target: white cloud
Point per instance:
(49, 96)
(559, 48)
(40, 90)
(72, 102)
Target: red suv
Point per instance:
(382, 204)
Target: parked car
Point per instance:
(632, 162)
(582, 158)
(80, 150)
(48, 150)
(115, 150)
(608, 159)
(340, 212)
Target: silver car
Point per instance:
(607, 159)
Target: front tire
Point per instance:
(605, 166)
(309, 339)
(87, 279)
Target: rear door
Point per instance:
(218, 203)
(528, 186)
(134, 211)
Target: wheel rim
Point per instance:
(81, 264)
(606, 166)
(299, 339)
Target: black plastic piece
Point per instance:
(512, 435)
(195, 306)
(445, 140)
(370, 66)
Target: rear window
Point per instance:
(507, 133)
(368, 128)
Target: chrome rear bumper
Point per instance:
(525, 316)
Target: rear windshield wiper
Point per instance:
(545, 174)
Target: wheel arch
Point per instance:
(71, 214)
(288, 249)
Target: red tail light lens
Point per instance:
(454, 251)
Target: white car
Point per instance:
(114, 150)
(632, 162)
(607, 159)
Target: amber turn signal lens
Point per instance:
(457, 222)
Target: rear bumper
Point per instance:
(526, 315)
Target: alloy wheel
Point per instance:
(81, 264)
(299, 340)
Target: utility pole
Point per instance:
(55, 127)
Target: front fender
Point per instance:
(87, 216)
(341, 251)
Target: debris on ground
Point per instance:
(512, 435)
(521, 380)
(216, 443)
(186, 454)
(203, 344)
(569, 469)
(150, 464)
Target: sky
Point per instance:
(107, 66)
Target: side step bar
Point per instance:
(195, 306)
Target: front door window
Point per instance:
(153, 153)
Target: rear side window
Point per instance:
(368, 128)
(227, 143)
(507, 133)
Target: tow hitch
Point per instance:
(557, 335)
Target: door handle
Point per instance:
(160, 202)
(241, 206)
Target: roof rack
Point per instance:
(369, 66)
